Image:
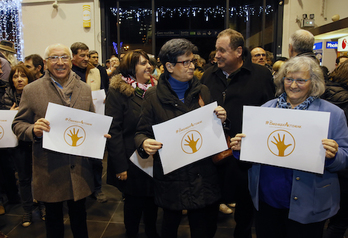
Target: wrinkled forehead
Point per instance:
(59, 50)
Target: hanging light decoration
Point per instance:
(209, 12)
(11, 24)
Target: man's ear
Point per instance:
(39, 67)
(170, 67)
(239, 51)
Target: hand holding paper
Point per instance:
(40, 126)
(331, 148)
(151, 146)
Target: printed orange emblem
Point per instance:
(74, 135)
(281, 143)
(2, 132)
(191, 142)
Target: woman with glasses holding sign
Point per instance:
(193, 187)
(123, 103)
(289, 202)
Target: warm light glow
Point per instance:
(11, 24)
(209, 12)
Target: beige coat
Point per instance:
(56, 176)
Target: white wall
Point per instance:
(323, 10)
(43, 25)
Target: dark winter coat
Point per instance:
(192, 186)
(125, 107)
(337, 94)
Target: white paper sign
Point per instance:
(98, 101)
(285, 138)
(7, 138)
(190, 137)
(75, 131)
(145, 165)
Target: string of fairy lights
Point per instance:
(11, 24)
(209, 12)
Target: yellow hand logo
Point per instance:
(74, 136)
(192, 143)
(280, 145)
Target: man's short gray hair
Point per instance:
(306, 64)
(50, 47)
(302, 41)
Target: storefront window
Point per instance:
(199, 21)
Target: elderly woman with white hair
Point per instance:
(289, 202)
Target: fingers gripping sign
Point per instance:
(41, 125)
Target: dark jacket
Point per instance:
(124, 106)
(337, 94)
(192, 186)
(9, 98)
(251, 85)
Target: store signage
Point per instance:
(343, 44)
(331, 44)
(318, 46)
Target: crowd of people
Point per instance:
(142, 91)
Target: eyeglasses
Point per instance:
(55, 58)
(258, 55)
(187, 63)
(298, 81)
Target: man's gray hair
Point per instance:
(302, 41)
(304, 64)
(50, 47)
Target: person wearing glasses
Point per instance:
(193, 187)
(290, 202)
(57, 177)
(258, 56)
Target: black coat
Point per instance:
(192, 186)
(124, 106)
(251, 85)
(337, 94)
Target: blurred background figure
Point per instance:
(35, 65)
(20, 76)
(7, 58)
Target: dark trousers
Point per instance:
(7, 175)
(77, 215)
(244, 211)
(97, 166)
(274, 223)
(23, 161)
(339, 223)
(134, 208)
(202, 222)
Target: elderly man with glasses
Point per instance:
(57, 177)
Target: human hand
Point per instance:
(122, 176)
(236, 141)
(41, 125)
(220, 113)
(107, 136)
(151, 146)
(14, 107)
(331, 148)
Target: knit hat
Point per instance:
(7, 46)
